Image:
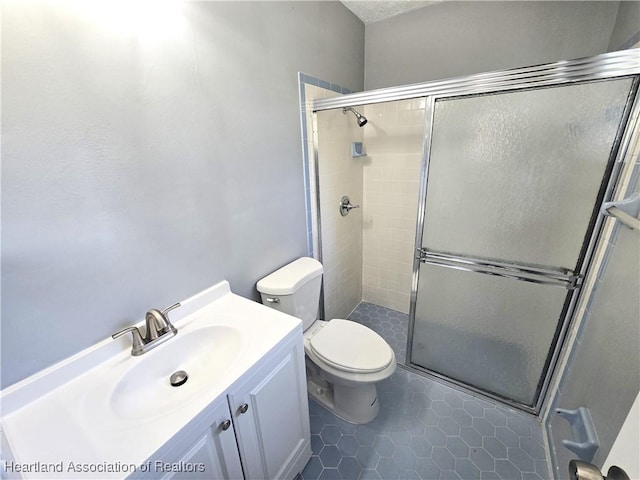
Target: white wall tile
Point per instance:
(391, 184)
(340, 174)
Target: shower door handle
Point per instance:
(345, 206)
(559, 277)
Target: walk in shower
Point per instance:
(479, 211)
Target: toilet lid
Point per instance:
(351, 347)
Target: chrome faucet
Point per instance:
(158, 330)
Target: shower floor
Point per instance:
(425, 429)
(389, 324)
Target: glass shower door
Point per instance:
(513, 182)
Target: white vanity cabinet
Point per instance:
(214, 455)
(271, 416)
(259, 431)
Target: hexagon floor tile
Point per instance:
(425, 430)
(389, 324)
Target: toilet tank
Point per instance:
(294, 289)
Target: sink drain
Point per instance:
(178, 378)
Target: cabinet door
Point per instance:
(271, 416)
(213, 456)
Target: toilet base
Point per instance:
(356, 405)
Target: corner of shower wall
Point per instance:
(310, 89)
(331, 238)
(388, 192)
(340, 174)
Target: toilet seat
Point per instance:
(351, 347)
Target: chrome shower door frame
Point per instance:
(607, 66)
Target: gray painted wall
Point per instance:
(147, 155)
(450, 39)
(627, 27)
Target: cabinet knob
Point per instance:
(243, 408)
(225, 425)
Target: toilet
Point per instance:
(344, 359)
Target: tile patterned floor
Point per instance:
(426, 430)
(389, 324)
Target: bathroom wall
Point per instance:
(340, 174)
(150, 150)
(393, 140)
(450, 39)
(311, 89)
(625, 449)
(603, 369)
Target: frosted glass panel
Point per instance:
(515, 176)
(490, 332)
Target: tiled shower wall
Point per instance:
(312, 89)
(340, 174)
(367, 255)
(393, 141)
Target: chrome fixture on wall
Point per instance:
(362, 121)
(586, 471)
(345, 206)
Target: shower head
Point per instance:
(362, 121)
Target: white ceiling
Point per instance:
(370, 11)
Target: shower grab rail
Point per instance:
(626, 210)
(559, 277)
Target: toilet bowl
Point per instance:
(344, 359)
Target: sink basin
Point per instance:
(145, 391)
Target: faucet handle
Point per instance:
(138, 343)
(163, 323)
(172, 307)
